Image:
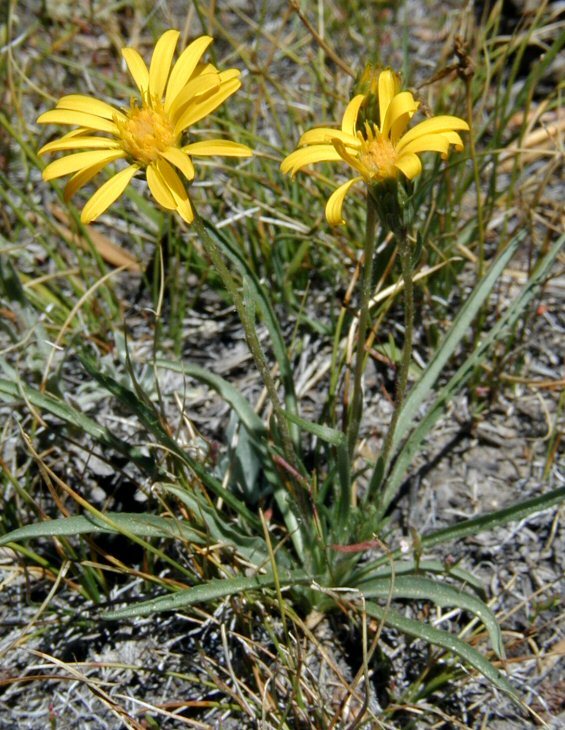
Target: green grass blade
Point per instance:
(253, 549)
(225, 390)
(419, 567)
(17, 391)
(437, 637)
(142, 525)
(210, 591)
(256, 429)
(151, 421)
(324, 433)
(446, 394)
(287, 507)
(495, 519)
(343, 492)
(255, 290)
(538, 70)
(458, 331)
(418, 588)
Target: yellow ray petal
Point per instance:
(454, 139)
(224, 147)
(204, 68)
(202, 107)
(76, 133)
(76, 142)
(401, 106)
(432, 126)
(137, 68)
(308, 156)
(159, 189)
(180, 159)
(388, 87)
(184, 67)
(335, 202)
(428, 143)
(349, 121)
(324, 135)
(178, 191)
(200, 86)
(352, 158)
(83, 119)
(229, 74)
(409, 164)
(184, 207)
(170, 177)
(90, 105)
(399, 127)
(73, 134)
(161, 63)
(73, 163)
(107, 194)
(81, 178)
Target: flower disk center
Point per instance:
(377, 155)
(146, 133)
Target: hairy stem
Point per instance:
(247, 320)
(356, 409)
(406, 264)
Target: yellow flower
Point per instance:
(149, 134)
(377, 153)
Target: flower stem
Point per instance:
(354, 420)
(477, 180)
(406, 264)
(247, 320)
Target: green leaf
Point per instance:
(446, 394)
(255, 290)
(11, 287)
(150, 419)
(325, 433)
(459, 329)
(434, 636)
(472, 526)
(210, 591)
(17, 391)
(134, 526)
(142, 525)
(225, 390)
(225, 587)
(442, 594)
(224, 531)
(495, 519)
(286, 505)
(342, 510)
(418, 567)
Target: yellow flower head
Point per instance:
(377, 152)
(149, 134)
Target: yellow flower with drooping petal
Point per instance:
(148, 135)
(377, 152)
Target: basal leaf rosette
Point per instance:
(150, 136)
(378, 151)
